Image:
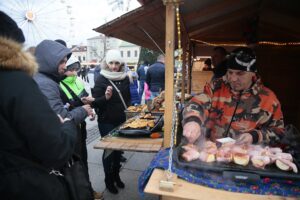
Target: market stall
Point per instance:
(271, 25)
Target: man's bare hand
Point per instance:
(87, 100)
(92, 117)
(63, 120)
(191, 131)
(245, 138)
(88, 109)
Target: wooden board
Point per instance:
(130, 144)
(186, 190)
(199, 79)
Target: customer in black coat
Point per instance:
(31, 134)
(110, 111)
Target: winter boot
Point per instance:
(118, 180)
(109, 182)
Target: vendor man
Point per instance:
(236, 105)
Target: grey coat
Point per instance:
(48, 55)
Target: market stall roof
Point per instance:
(212, 21)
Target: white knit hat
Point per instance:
(71, 61)
(113, 55)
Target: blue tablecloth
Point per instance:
(266, 186)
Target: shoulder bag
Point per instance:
(119, 92)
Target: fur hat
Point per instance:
(242, 58)
(113, 55)
(9, 28)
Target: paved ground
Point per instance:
(130, 172)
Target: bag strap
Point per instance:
(75, 97)
(119, 92)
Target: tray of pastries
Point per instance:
(141, 125)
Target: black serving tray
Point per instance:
(270, 171)
(146, 132)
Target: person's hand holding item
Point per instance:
(108, 92)
(63, 120)
(87, 100)
(88, 109)
(192, 131)
(93, 116)
(245, 138)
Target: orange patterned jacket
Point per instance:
(221, 112)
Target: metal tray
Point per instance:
(270, 171)
(130, 114)
(146, 132)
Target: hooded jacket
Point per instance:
(29, 129)
(224, 113)
(48, 55)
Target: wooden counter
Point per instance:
(130, 144)
(186, 190)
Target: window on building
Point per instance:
(79, 58)
(83, 58)
(135, 53)
(122, 54)
(128, 54)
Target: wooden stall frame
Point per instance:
(169, 69)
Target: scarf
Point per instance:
(114, 76)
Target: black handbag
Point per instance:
(77, 179)
(73, 175)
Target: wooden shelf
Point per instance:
(186, 190)
(130, 144)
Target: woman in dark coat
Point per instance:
(33, 140)
(110, 110)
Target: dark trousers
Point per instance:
(110, 159)
(80, 147)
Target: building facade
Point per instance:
(80, 52)
(97, 46)
(130, 53)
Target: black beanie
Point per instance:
(242, 58)
(61, 42)
(9, 28)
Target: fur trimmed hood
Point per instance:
(12, 57)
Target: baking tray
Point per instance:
(145, 132)
(270, 171)
(130, 114)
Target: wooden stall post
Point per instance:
(169, 70)
(192, 57)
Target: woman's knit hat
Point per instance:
(242, 58)
(113, 55)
